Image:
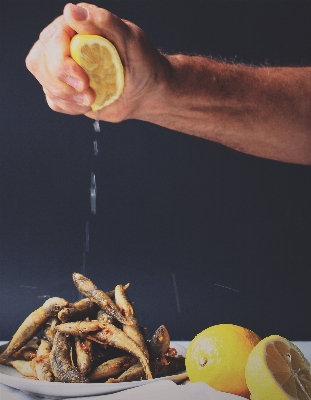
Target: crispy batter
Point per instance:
(80, 328)
(111, 293)
(84, 354)
(102, 316)
(171, 365)
(49, 329)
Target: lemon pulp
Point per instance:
(101, 61)
(277, 369)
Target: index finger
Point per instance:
(53, 29)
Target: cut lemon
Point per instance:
(101, 61)
(218, 355)
(277, 370)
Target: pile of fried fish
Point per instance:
(96, 339)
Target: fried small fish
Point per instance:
(90, 290)
(159, 343)
(80, 328)
(78, 310)
(126, 307)
(113, 336)
(84, 354)
(113, 367)
(61, 361)
(133, 373)
(42, 362)
(159, 368)
(32, 325)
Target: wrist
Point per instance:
(154, 100)
(178, 90)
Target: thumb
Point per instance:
(90, 19)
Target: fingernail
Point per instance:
(79, 13)
(74, 82)
(83, 99)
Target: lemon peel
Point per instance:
(218, 355)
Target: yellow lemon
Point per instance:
(218, 355)
(101, 61)
(277, 370)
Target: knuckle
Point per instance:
(53, 106)
(106, 18)
(32, 58)
(63, 105)
(29, 63)
(105, 21)
(55, 94)
(50, 31)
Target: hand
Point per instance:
(65, 83)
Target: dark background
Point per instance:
(204, 234)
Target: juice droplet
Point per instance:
(96, 123)
(95, 146)
(93, 193)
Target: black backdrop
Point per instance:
(204, 234)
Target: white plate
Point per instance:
(10, 377)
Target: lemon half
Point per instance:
(101, 61)
(277, 370)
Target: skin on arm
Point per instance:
(263, 111)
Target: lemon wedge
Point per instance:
(101, 61)
(277, 370)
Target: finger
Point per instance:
(63, 106)
(90, 19)
(55, 107)
(73, 106)
(49, 62)
(59, 24)
(55, 40)
(37, 64)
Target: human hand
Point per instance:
(66, 84)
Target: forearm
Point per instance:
(263, 111)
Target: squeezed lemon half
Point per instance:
(101, 61)
(277, 370)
